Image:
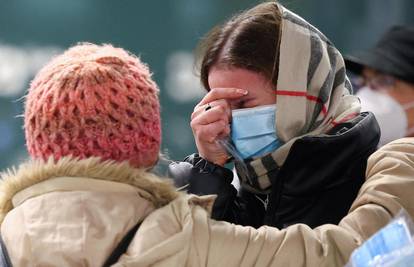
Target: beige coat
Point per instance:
(52, 226)
(181, 233)
(74, 213)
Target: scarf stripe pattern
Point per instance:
(313, 95)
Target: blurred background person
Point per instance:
(385, 81)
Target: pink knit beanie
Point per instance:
(94, 101)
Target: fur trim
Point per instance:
(159, 191)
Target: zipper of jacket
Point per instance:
(264, 202)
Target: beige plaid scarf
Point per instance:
(313, 95)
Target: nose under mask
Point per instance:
(253, 131)
(390, 114)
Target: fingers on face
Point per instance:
(209, 132)
(222, 93)
(208, 123)
(216, 113)
(215, 108)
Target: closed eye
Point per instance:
(237, 104)
(250, 103)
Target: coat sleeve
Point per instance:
(201, 177)
(185, 228)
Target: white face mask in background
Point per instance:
(390, 114)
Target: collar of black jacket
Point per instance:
(318, 163)
(322, 175)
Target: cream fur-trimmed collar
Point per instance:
(159, 191)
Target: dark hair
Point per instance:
(249, 40)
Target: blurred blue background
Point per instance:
(163, 33)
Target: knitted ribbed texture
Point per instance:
(94, 101)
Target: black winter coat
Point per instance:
(316, 185)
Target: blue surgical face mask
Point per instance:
(253, 131)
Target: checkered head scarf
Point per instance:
(313, 95)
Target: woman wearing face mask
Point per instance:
(279, 104)
(387, 80)
(313, 170)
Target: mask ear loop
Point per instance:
(228, 146)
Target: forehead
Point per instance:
(236, 78)
(260, 89)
